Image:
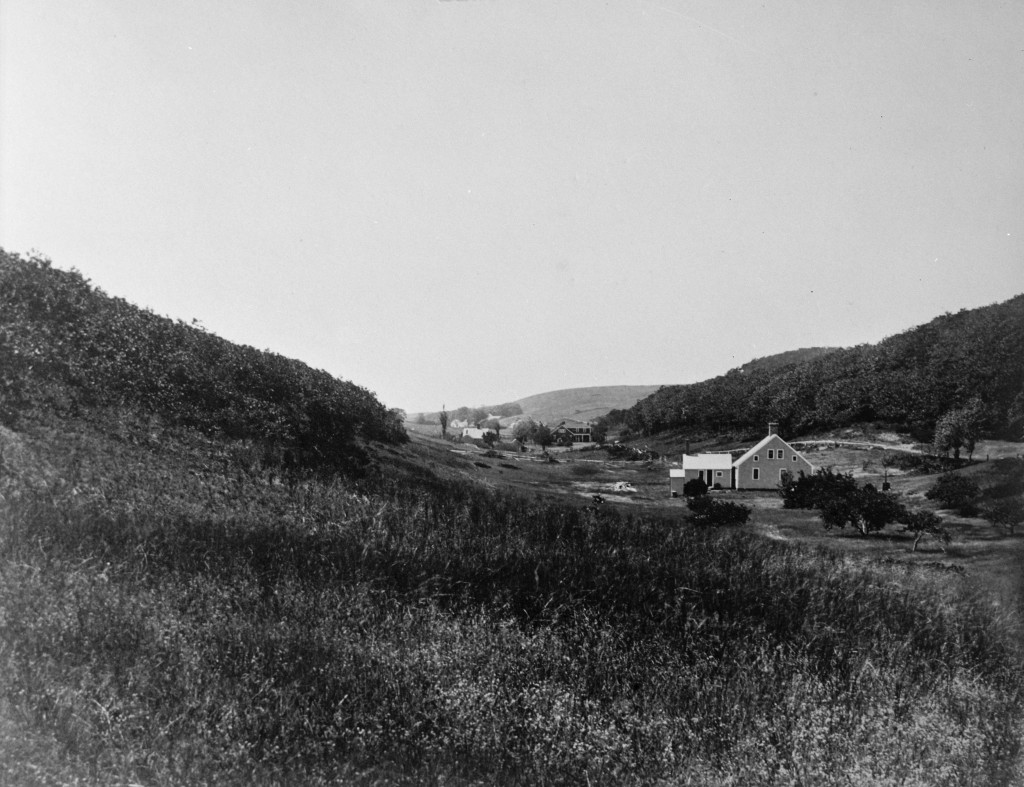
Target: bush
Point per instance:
(956, 492)
(695, 487)
(1008, 512)
(706, 511)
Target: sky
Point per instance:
(473, 201)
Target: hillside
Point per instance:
(583, 403)
(780, 360)
(67, 349)
(906, 382)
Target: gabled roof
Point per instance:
(707, 462)
(767, 439)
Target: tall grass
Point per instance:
(171, 617)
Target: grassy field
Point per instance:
(172, 614)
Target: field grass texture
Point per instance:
(169, 615)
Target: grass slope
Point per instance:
(173, 614)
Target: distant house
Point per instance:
(572, 431)
(476, 434)
(764, 466)
(769, 463)
(712, 469)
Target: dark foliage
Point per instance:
(1007, 511)
(67, 348)
(1010, 478)
(708, 512)
(695, 487)
(907, 381)
(841, 501)
(956, 492)
(813, 491)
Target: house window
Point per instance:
(771, 453)
(718, 474)
(756, 457)
(784, 476)
(794, 457)
(757, 473)
(781, 454)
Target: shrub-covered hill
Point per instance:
(907, 381)
(67, 348)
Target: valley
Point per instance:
(220, 566)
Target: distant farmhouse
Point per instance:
(569, 431)
(764, 466)
(473, 433)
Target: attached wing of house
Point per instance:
(712, 469)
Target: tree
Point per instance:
(866, 509)
(542, 436)
(477, 416)
(442, 418)
(958, 429)
(494, 424)
(813, 491)
(599, 430)
(841, 501)
(925, 523)
(490, 438)
(524, 430)
(1008, 512)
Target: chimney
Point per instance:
(773, 427)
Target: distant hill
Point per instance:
(583, 403)
(907, 381)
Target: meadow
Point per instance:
(174, 611)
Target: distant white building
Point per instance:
(476, 434)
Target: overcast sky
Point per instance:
(471, 202)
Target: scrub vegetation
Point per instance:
(180, 605)
(953, 379)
